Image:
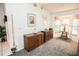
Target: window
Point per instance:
(74, 27)
(66, 23)
(70, 22)
(57, 26)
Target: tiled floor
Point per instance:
(4, 49)
(54, 47)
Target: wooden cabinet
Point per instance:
(32, 41)
(48, 35)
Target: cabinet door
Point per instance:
(42, 38)
(39, 39)
(32, 43)
(36, 41)
(29, 43)
(47, 36)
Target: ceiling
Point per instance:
(58, 7)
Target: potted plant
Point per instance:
(2, 34)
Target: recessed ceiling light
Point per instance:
(35, 4)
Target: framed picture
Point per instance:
(31, 19)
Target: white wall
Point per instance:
(1, 14)
(68, 12)
(18, 13)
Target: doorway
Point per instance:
(4, 45)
